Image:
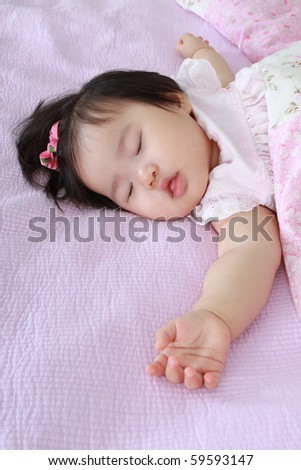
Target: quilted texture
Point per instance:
(78, 318)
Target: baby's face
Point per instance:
(150, 161)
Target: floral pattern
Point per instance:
(259, 28)
(284, 107)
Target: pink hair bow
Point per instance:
(48, 158)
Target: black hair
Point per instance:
(91, 105)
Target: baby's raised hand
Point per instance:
(193, 349)
(188, 44)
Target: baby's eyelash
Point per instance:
(131, 190)
(137, 152)
(140, 144)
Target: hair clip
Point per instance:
(48, 158)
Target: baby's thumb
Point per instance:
(165, 335)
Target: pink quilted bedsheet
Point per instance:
(78, 316)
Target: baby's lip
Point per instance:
(173, 185)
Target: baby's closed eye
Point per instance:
(130, 191)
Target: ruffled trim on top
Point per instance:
(221, 208)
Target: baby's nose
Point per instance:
(148, 175)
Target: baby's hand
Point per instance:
(188, 44)
(193, 350)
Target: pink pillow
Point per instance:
(257, 27)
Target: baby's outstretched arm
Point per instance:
(193, 347)
(196, 48)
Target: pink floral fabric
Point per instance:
(282, 73)
(259, 28)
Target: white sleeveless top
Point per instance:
(236, 119)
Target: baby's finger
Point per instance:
(165, 335)
(158, 366)
(174, 372)
(204, 40)
(211, 380)
(193, 379)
